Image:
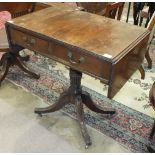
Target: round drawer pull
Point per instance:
(70, 58)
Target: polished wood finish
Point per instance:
(110, 52)
(72, 28)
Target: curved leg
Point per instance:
(142, 72)
(2, 59)
(80, 116)
(21, 65)
(6, 71)
(54, 107)
(148, 58)
(86, 99)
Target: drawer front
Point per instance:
(82, 61)
(29, 41)
(78, 60)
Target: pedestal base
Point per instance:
(76, 96)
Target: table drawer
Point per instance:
(29, 41)
(82, 61)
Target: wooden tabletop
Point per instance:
(100, 35)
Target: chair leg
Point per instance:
(142, 72)
(148, 58)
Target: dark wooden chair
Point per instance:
(151, 28)
(110, 10)
(93, 7)
(114, 10)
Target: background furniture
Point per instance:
(93, 7)
(17, 8)
(151, 28)
(107, 9)
(129, 6)
(114, 10)
(101, 8)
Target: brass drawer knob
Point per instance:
(70, 58)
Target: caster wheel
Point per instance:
(86, 146)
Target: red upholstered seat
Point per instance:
(4, 16)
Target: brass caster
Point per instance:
(86, 147)
(88, 144)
